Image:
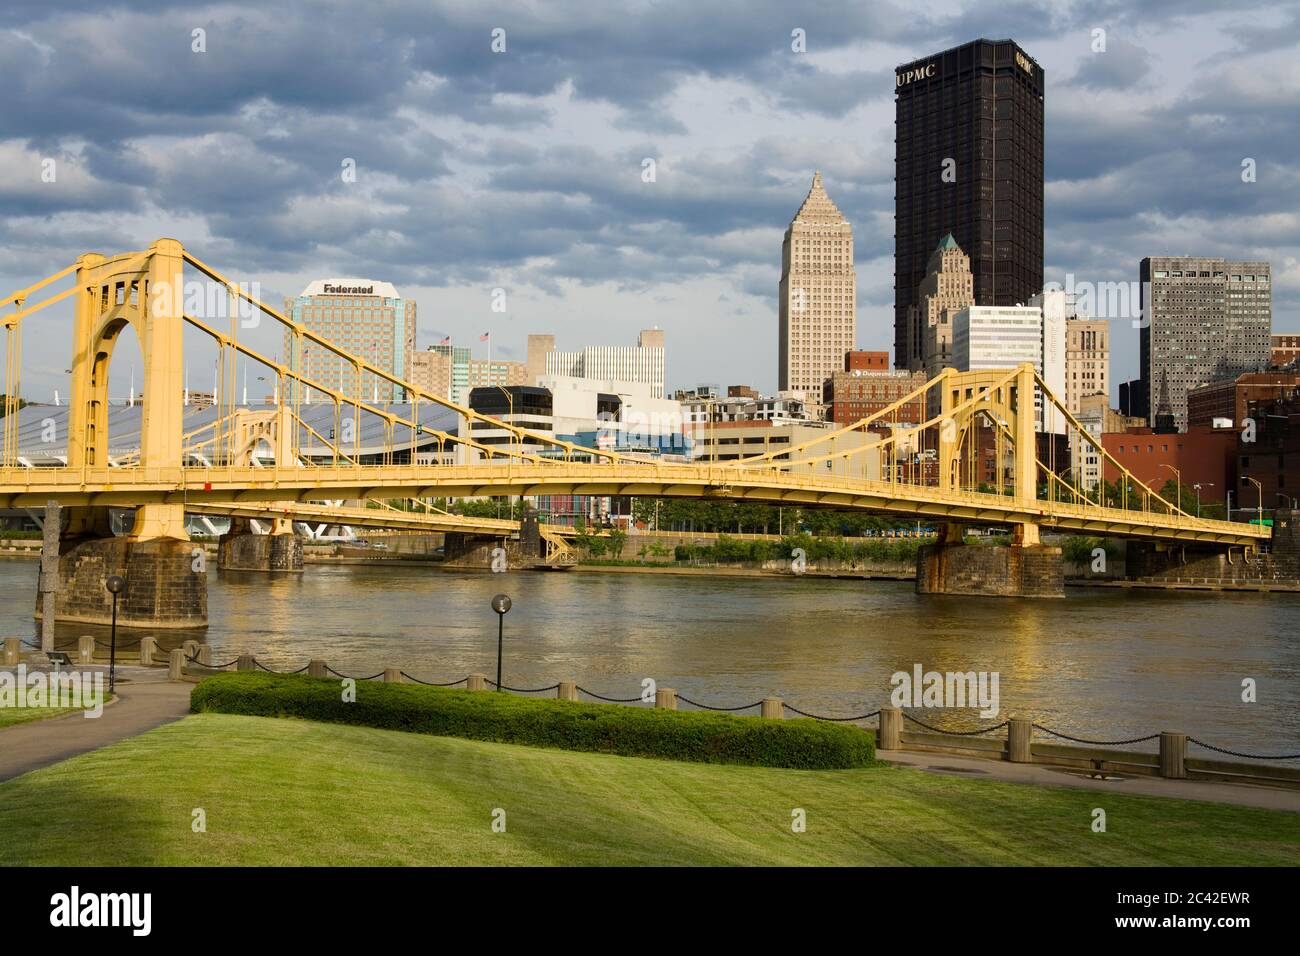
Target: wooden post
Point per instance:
(13, 651)
(86, 649)
(245, 663)
(392, 675)
(176, 664)
(1020, 732)
(666, 698)
(1173, 755)
(568, 690)
(147, 646)
(316, 669)
(476, 682)
(772, 707)
(891, 729)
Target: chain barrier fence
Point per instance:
(681, 698)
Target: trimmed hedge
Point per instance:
(695, 736)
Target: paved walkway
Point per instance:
(139, 706)
(1245, 795)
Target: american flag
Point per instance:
(484, 336)
(446, 340)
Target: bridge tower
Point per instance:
(165, 572)
(1025, 567)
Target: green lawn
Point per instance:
(295, 792)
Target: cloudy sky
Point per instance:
(523, 169)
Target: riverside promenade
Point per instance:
(145, 700)
(1242, 795)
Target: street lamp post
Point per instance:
(1197, 486)
(510, 405)
(115, 585)
(500, 604)
(1260, 489)
(1179, 476)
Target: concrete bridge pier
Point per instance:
(1025, 568)
(241, 549)
(495, 552)
(165, 572)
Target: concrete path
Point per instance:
(139, 707)
(1245, 795)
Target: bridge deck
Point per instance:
(31, 487)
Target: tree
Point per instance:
(643, 511)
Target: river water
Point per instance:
(1102, 663)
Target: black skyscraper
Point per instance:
(968, 153)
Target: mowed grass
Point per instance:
(295, 792)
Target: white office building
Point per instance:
(641, 363)
(988, 337)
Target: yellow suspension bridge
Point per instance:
(976, 458)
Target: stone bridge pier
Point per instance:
(1025, 568)
(165, 572)
(464, 550)
(242, 549)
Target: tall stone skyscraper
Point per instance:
(818, 308)
(968, 154)
(947, 287)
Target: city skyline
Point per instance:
(468, 178)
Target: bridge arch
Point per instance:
(142, 290)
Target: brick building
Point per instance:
(1286, 350)
(852, 395)
(1229, 399)
(857, 360)
(1272, 456)
(1203, 455)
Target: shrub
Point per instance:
(1078, 548)
(699, 737)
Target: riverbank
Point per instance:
(270, 794)
(739, 572)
